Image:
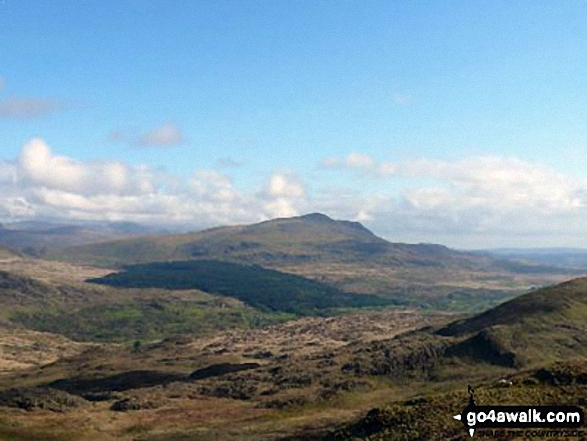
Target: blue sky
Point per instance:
(441, 121)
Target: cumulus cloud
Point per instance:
(504, 183)
(165, 135)
(359, 162)
(7, 172)
(42, 184)
(489, 181)
(38, 166)
(468, 202)
(213, 185)
(284, 195)
(285, 185)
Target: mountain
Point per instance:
(561, 257)
(530, 350)
(298, 240)
(337, 378)
(35, 237)
(515, 333)
(343, 254)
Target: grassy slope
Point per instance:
(548, 307)
(429, 416)
(339, 253)
(281, 241)
(54, 301)
(6, 254)
(418, 364)
(553, 318)
(544, 331)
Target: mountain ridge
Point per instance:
(343, 254)
(308, 237)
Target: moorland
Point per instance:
(299, 328)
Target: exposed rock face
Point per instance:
(487, 346)
(403, 354)
(40, 398)
(128, 404)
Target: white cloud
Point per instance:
(360, 162)
(284, 195)
(165, 135)
(428, 198)
(15, 207)
(7, 172)
(41, 184)
(280, 207)
(286, 185)
(504, 183)
(478, 200)
(213, 185)
(486, 200)
(37, 166)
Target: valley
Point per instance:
(344, 255)
(295, 339)
(265, 220)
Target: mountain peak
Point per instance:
(316, 217)
(319, 218)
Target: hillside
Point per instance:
(304, 239)
(35, 237)
(342, 254)
(359, 376)
(428, 416)
(532, 349)
(7, 254)
(561, 257)
(512, 335)
(54, 297)
(259, 287)
(557, 306)
(515, 333)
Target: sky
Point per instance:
(453, 122)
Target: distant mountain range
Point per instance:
(35, 237)
(299, 240)
(339, 253)
(561, 257)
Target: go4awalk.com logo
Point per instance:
(526, 421)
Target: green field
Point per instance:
(144, 321)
